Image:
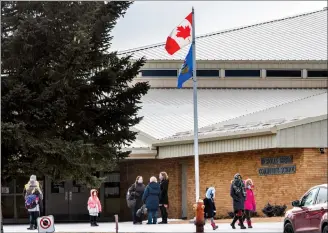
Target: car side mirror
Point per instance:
(296, 203)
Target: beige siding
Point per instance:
(233, 145)
(304, 136)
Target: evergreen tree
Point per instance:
(66, 106)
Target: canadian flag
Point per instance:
(180, 36)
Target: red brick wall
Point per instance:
(218, 171)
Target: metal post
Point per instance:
(116, 222)
(194, 77)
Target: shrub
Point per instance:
(274, 210)
(268, 210)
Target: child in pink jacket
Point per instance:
(250, 205)
(94, 207)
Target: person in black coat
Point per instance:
(151, 198)
(135, 192)
(164, 198)
(210, 209)
(238, 195)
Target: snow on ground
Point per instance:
(129, 227)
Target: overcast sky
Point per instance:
(150, 22)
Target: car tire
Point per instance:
(288, 228)
(325, 229)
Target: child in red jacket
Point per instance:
(250, 205)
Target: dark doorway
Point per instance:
(67, 201)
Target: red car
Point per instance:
(309, 214)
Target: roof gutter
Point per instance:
(178, 61)
(217, 137)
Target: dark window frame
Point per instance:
(277, 75)
(165, 72)
(215, 74)
(247, 74)
(315, 71)
(108, 184)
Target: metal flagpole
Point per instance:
(195, 106)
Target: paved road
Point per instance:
(129, 227)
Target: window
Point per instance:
(159, 73)
(317, 73)
(208, 73)
(309, 198)
(322, 196)
(78, 188)
(284, 73)
(242, 73)
(57, 187)
(112, 185)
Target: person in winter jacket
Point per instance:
(210, 210)
(35, 185)
(135, 193)
(94, 207)
(238, 195)
(33, 197)
(163, 198)
(250, 205)
(151, 198)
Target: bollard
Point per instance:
(116, 222)
(199, 216)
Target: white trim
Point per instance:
(141, 156)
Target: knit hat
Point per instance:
(33, 178)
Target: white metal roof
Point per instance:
(170, 111)
(301, 37)
(293, 111)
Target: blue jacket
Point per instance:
(151, 196)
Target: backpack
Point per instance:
(30, 201)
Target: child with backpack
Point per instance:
(33, 197)
(94, 207)
(210, 210)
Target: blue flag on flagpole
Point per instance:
(186, 69)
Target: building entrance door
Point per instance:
(66, 201)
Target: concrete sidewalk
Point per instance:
(129, 227)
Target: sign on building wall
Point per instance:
(264, 171)
(277, 160)
(274, 166)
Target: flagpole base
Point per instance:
(199, 216)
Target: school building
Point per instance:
(262, 112)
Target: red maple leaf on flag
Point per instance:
(183, 31)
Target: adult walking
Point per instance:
(164, 197)
(135, 194)
(151, 198)
(238, 195)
